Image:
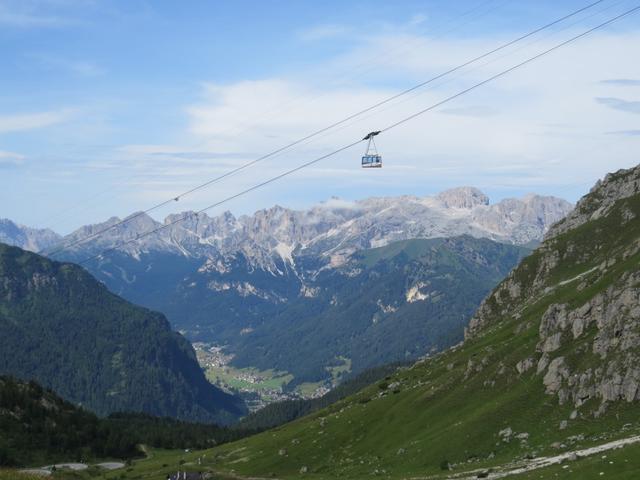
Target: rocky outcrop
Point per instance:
(588, 339)
(597, 203)
(532, 279)
(463, 197)
(611, 320)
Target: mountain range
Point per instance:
(333, 229)
(281, 283)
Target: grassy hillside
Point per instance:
(280, 413)
(61, 327)
(6, 474)
(549, 366)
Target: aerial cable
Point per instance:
(474, 13)
(489, 62)
(225, 200)
(316, 133)
(346, 147)
(511, 69)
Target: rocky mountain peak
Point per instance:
(330, 231)
(463, 197)
(27, 238)
(597, 203)
(140, 221)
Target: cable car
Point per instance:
(371, 159)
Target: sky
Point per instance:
(110, 107)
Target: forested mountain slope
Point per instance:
(38, 427)
(61, 327)
(388, 304)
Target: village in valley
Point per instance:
(258, 387)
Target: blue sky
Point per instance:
(107, 107)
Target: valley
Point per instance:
(259, 388)
(282, 289)
(541, 386)
(320, 240)
(62, 328)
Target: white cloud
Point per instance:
(622, 82)
(28, 14)
(418, 19)
(626, 133)
(29, 121)
(541, 118)
(272, 110)
(10, 158)
(538, 129)
(324, 32)
(82, 68)
(338, 203)
(471, 111)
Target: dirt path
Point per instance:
(44, 471)
(543, 462)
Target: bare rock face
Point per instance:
(463, 197)
(525, 365)
(556, 374)
(611, 320)
(332, 230)
(27, 238)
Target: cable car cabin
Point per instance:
(372, 161)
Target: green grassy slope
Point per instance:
(279, 413)
(450, 410)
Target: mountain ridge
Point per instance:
(227, 280)
(32, 239)
(334, 228)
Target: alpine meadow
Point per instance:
(319, 240)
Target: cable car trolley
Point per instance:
(371, 159)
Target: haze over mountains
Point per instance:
(32, 239)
